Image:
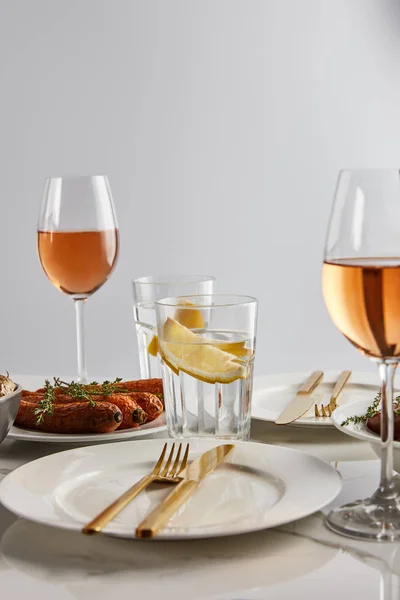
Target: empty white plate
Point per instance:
(257, 487)
(272, 393)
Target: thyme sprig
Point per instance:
(371, 411)
(77, 391)
(46, 405)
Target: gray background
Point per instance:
(222, 125)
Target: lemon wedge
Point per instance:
(152, 348)
(193, 319)
(236, 348)
(185, 351)
(189, 317)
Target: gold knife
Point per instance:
(303, 401)
(194, 474)
(341, 382)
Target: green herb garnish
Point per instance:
(46, 405)
(77, 391)
(371, 411)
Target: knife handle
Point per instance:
(156, 520)
(108, 514)
(311, 383)
(341, 382)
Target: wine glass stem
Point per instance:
(80, 339)
(386, 491)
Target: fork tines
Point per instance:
(178, 467)
(327, 409)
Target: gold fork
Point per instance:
(327, 410)
(163, 473)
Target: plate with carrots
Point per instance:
(61, 410)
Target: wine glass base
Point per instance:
(367, 520)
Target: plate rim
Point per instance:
(324, 500)
(262, 381)
(29, 435)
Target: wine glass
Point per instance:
(361, 288)
(78, 242)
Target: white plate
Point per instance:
(272, 393)
(360, 431)
(257, 487)
(34, 382)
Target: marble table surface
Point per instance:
(299, 560)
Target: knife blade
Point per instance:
(302, 402)
(193, 475)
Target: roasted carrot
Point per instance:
(133, 414)
(150, 403)
(152, 386)
(73, 417)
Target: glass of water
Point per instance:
(146, 290)
(207, 349)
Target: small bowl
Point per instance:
(360, 431)
(8, 410)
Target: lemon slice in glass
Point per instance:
(185, 351)
(152, 348)
(236, 348)
(191, 318)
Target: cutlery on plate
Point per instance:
(194, 474)
(302, 402)
(164, 473)
(327, 410)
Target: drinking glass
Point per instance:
(361, 288)
(146, 290)
(78, 242)
(207, 348)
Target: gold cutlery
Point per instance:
(302, 402)
(164, 473)
(327, 410)
(194, 474)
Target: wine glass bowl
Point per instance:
(362, 298)
(78, 241)
(78, 262)
(361, 289)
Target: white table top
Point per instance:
(299, 560)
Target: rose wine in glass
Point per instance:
(361, 288)
(362, 298)
(78, 242)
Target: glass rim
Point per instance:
(241, 300)
(369, 170)
(75, 176)
(169, 279)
